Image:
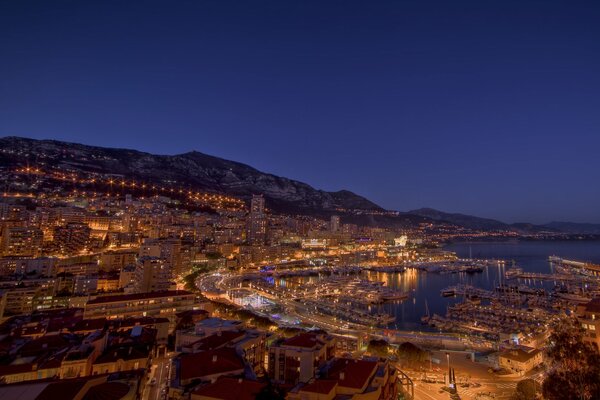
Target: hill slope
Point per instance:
(196, 169)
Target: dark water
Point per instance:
(425, 288)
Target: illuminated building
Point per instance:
(152, 274)
(72, 238)
(22, 241)
(297, 359)
(153, 304)
(345, 378)
(334, 223)
(520, 361)
(589, 317)
(257, 221)
(116, 260)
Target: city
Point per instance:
(154, 299)
(299, 200)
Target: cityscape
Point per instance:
(133, 267)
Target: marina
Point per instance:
(396, 296)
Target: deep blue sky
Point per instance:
(483, 107)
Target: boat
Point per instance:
(512, 273)
(426, 318)
(471, 269)
(449, 292)
(387, 296)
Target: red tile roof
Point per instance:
(306, 340)
(217, 340)
(15, 369)
(593, 305)
(124, 352)
(355, 373)
(89, 324)
(231, 389)
(64, 390)
(107, 391)
(321, 386)
(44, 344)
(520, 355)
(219, 361)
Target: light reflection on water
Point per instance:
(424, 288)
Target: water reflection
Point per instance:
(424, 288)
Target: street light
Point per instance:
(449, 372)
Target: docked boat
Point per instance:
(512, 273)
(389, 296)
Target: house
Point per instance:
(520, 360)
(209, 365)
(589, 317)
(350, 379)
(296, 359)
(122, 358)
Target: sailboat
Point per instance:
(425, 318)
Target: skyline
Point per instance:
(485, 110)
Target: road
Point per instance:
(497, 389)
(160, 376)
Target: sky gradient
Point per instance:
(489, 108)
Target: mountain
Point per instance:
(207, 173)
(575, 227)
(467, 221)
(193, 169)
(487, 224)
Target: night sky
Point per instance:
(483, 107)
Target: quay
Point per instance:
(593, 269)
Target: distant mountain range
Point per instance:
(212, 174)
(472, 222)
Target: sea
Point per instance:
(425, 288)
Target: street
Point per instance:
(156, 387)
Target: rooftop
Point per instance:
(218, 323)
(320, 386)
(218, 340)
(206, 363)
(305, 340)
(519, 355)
(231, 389)
(351, 373)
(593, 306)
(126, 352)
(90, 324)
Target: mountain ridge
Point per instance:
(206, 172)
(218, 175)
(475, 222)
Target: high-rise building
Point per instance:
(334, 224)
(152, 274)
(22, 241)
(167, 249)
(72, 238)
(257, 221)
(296, 359)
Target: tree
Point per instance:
(379, 348)
(575, 369)
(190, 281)
(527, 389)
(410, 354)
